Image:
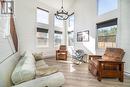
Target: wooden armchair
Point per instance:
(108, 65)
(61, 54)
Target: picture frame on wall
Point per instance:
(83, 36)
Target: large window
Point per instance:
(42, 16)
(58, 38)
(71, 31)
(42, 37)
(106, 32)
(105, 6)
(42, 31)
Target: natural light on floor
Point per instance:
(72, 69)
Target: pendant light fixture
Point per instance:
(62, 14)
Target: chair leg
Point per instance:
(99, 72)
(99, 78)
(121, 79)
(121, 67)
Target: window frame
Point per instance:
(69, 24)
(47, 38)
(115, 19)
(70, 31)
(60, 32)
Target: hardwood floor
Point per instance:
(79, 76)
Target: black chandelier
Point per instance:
(62, 14)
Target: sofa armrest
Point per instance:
(53, 80)
(94, 57)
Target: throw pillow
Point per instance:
(24, 71)
(38, 56)
(41, 64)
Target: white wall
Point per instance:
(124, 23)
(25, 20)
(85, 19)
(107, 16)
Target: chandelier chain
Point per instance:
(62, 3)
(62, 14)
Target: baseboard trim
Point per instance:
(127, 74)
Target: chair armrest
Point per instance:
(94, 57)
(57, 50)
(110, 61)
(103, 72)
(62, 51)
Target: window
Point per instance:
(106, 32)
(58, 37)
(42, 16)
(42, 37)
(58, 23)
(105, 6)
(71, 22)
(71, 38)
(71, 31)
(7, 6)
(42, 31)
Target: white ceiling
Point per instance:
(57, 3)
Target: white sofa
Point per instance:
(24, 75)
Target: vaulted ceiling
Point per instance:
(57, 3)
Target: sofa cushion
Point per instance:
(41, 64)
(46, 71)
(25, 70)
(38, 56)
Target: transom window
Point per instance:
(42, 16)
(106, 33)
(105, 6)
(58, 23)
